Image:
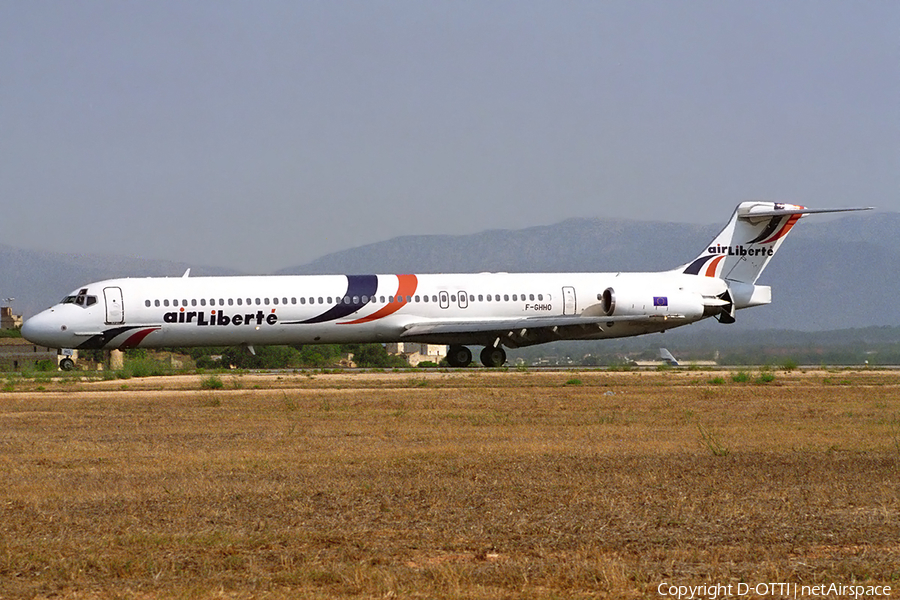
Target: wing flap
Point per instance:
(517, 332)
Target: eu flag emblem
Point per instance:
(660, 300)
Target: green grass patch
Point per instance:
(213, 382)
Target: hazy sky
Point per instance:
(258, 135)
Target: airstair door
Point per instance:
(115, 311)
(569, 306)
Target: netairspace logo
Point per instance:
(718, 591)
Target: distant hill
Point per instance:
(828, 275)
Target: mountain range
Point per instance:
(833, 274)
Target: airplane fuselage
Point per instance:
(221, 311)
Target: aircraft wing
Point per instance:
(517, 332)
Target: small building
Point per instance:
(18, 353)
(416, 353)
(9, 320)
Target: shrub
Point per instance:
(740, 377)
(765, 377)
(213, 382)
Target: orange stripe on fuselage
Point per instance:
(711, 269)
(406, 287)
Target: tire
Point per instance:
(459, 356)
(67, 364)
(492, 357)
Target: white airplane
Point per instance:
(486, 309)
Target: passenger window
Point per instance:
(193, 302)
(434, 298)
(293, 300)
(453, 298)
(156, 303)
(274, 300)
(284, 301)
(424, 298)
(231, 302)
(480, 298)
(202, 301)
(540, 296)
(147, 303)
(471, 297)
(531, 297)
(506, 297)
(320, 300)
(266, 301)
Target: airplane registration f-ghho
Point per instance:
(493, 310)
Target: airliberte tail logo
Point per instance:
(740, 250)
(219, 318)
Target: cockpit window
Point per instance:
(81, 299)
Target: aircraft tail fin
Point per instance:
(667, 357)
(745, 246)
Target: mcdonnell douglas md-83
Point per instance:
(492, 310)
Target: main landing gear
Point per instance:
(460, 356)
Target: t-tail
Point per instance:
(743, 249)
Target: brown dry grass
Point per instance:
(465, 485)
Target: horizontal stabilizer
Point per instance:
(760, 211)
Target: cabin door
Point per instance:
(568, 300)
(115, 311)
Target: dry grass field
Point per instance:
(471, 484)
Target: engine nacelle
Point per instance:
(628, 302)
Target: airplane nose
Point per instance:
(42, 329)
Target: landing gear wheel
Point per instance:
(459, 356)
(493, 357)
(67, 364)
